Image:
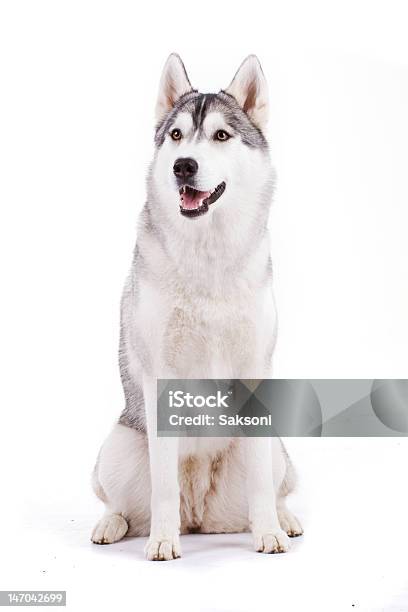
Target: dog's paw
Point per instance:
(163, 548)
(289, 523)
(274, 541)
(110, 528)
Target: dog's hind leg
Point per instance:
(121, 479)
(111, 528)
(287, 519)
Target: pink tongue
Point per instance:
(194, 199)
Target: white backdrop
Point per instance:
(78, 84)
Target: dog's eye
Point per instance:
(221, 135)
(176, 134)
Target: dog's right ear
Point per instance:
(173, 84)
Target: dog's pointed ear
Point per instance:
(250, 90)
(173, 84)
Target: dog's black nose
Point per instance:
(185, 167)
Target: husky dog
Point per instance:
(198, 304)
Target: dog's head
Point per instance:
(211, 148)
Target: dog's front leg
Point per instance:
(164, 541)
(263, 517)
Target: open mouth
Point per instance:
(194, 203)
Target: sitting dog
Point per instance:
(198, 303)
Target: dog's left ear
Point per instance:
(174, 83)
(250, 90)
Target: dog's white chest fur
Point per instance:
(209, 322)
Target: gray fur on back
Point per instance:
(133, 414)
